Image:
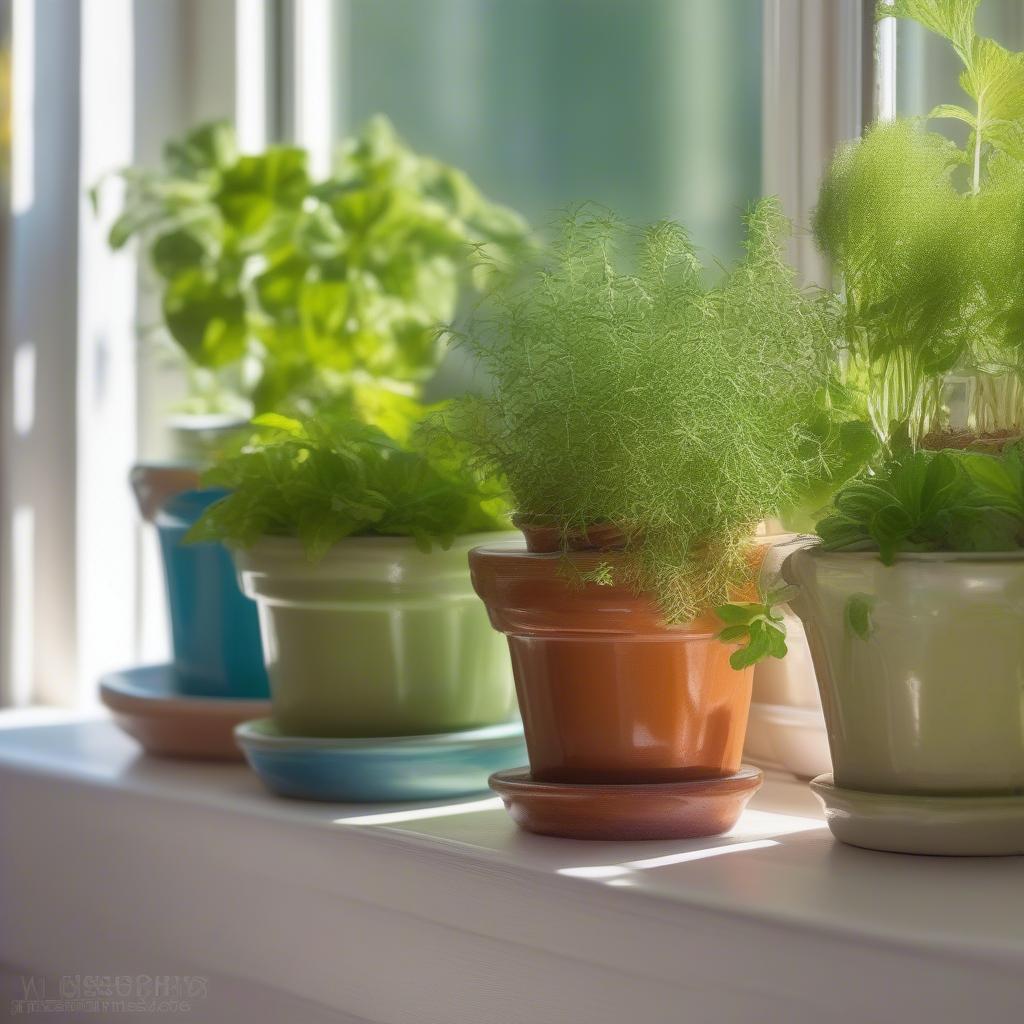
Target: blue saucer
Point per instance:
(373, 770)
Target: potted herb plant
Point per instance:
(280, 293)
(645, 421)
(353, 543)
(912, 600)
(913, 605)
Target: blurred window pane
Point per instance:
(652, 107)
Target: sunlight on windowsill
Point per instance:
(422, 813)
(769, 825)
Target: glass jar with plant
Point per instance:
(645, 421)
(912, 600)
(926, 237)
(353, 543)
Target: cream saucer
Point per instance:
(957, 826)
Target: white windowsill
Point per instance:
(112, 863)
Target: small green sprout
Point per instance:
(759, 623)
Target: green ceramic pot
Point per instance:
(377, 639)
(931, 700)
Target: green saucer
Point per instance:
(956, 826)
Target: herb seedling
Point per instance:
(758, 625)
(330, 477)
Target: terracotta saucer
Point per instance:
(656, 810)
(148, 705)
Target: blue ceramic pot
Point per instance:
(214, 626)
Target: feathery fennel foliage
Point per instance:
(330, 477)
(927, 238)
(645, 398)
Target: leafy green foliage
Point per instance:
(326, 478)
(757, 625)
(951, 19)
(932, 501)
(629, 391)
(890, 220)
(928, 240)
(319, 284)
(840, 442)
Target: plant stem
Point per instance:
(977, 150)
(997, 401)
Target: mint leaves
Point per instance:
(757, 625)
(932, 501)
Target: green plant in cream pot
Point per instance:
(284, 293)
(913, 601)
(353, 541)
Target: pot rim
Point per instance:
(498, 569)
(386, 561)
(253, 733)
(199, 422)
(284, 546)
(817, 551)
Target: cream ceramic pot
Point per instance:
(376, 639)
(932, 701)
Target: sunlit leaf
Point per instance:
(952, 19)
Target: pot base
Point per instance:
(955, 826)
(148, 704)
(655, 810)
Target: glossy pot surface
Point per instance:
(377, 639)
(214, 626)
(932, 700)
(607, 692)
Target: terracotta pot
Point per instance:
(607, 692)
(548, 538)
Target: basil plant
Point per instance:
(291, 293)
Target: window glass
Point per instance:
(651, 107)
